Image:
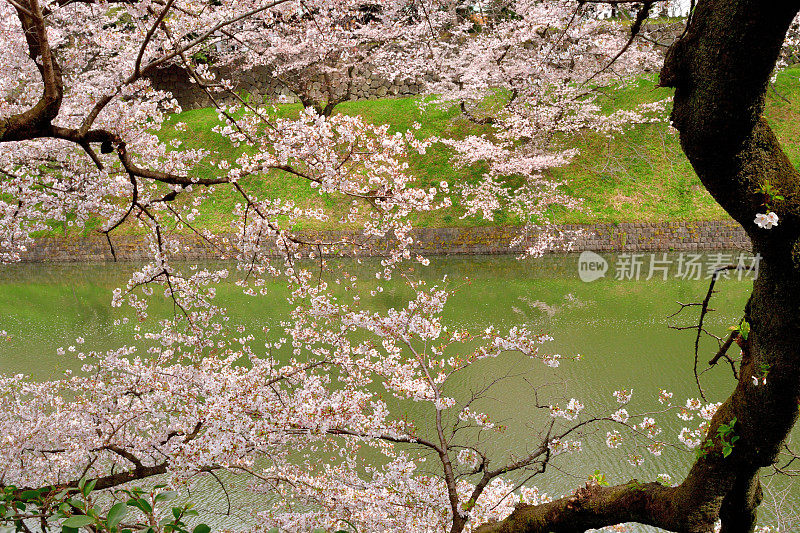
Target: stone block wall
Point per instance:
(623, 237)
(664, 236)
(258, 85)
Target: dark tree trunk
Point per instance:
(720, 70)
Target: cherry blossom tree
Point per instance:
(197, 395)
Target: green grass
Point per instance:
(640, 175)
(400, 113)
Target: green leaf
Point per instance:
(141, 504)
(116, 514)
(76, 503)
(29, 495)
(201, 528)
(78, 521)
(166, 496)
(744, 329)
(727, 450)
(89, 487)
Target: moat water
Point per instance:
(620, 327)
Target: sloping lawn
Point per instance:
(638, 176)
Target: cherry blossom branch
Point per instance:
(22, 125)
(641, 16)
(156, 23)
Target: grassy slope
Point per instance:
(400, 113)
(643, 174)
(640, 175)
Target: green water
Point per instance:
(620, 329)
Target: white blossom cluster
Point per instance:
(302, 408)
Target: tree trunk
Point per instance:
(720, 70)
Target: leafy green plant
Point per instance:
(763, 370)
(742, 329)
(770, 194)
(704, 448)
(74, 509)
(727, 437)
(598, 478)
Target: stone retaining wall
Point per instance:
(665, 236)
(259, 86)
(623, 237)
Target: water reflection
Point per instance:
(620, 329)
